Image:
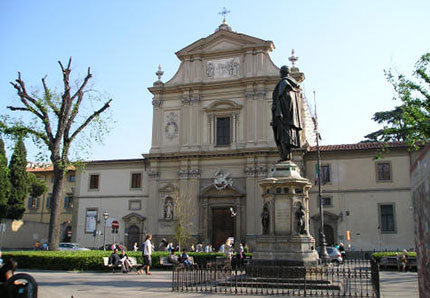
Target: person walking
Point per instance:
(147, 251)
(402, 260)
(342, 251)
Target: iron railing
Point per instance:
(351, 279)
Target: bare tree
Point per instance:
(54, 125)
(184, 214)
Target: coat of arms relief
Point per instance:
(222, 180)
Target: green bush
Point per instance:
(378, 255)
(87, 260)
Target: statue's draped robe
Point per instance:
(286, 122)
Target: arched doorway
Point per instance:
(133, 236)
(329, 235)
(134, 225)
(330, 228)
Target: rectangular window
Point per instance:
(383, 171)
(136, 180)
(387, 224)
(71, 178)
(94, 182)
(223, 131)
(90, 220)
(134, 205)
(48, 202)
(325, 174)
(68, 202)
(33, 203)
(326, 201)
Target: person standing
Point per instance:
(342, 251)
(402, 260)
(147, 252)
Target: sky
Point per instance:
(343, 49)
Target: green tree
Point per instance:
(4, 182)
(37, 187)
(18, 180)
(411, 120)
(58, 120)
(394, 126)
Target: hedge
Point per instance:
(378, 255)
(86, 260)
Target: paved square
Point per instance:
(58, 284)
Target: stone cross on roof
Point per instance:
(224, 12)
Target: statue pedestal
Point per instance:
(286, 239)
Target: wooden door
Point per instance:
(133, 236)
(222, 226)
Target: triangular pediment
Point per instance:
(169, 188)
(224, 41)
(212, 192)
(223, 105)
(327, 215)
(135, 216)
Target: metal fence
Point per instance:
(351, 279)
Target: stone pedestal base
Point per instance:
(284, 251)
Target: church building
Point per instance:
(211, 144)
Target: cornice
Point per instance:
(242, 82)
(218, 154)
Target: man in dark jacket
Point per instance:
(114, 258)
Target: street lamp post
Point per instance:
(105, 217)
(323, 243)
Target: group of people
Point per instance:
(147, 248)
(123, 260)
(183, 259)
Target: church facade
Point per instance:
(211, 144)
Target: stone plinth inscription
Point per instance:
(223, 68)
(282, 216)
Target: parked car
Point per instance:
(109, 247)
(71, 246)
(333, 254)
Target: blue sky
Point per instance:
(343, 48)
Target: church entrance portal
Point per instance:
(223, 226)
(329, 236)
(133, 236)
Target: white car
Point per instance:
(71, 246)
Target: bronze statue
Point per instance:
(265, 220)
(300, 217)
(286, 122)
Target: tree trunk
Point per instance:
(54, 222)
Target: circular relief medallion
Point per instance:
(171, 129)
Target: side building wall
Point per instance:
(377, 214)
(420, 179)
(34, 225)
(118, 188)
